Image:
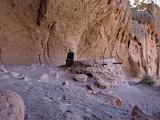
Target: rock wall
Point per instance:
(35, 31)
(144, 46)
(42, 31)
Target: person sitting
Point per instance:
(70, 58)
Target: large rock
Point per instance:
(11, 105)
(111, 99)
(137, 114)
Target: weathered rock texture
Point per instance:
(42, 31)
(100, 70)
(11, 105)
(144, 46)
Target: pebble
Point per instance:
(44, 77)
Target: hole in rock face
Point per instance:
(129, 42)
(135, 38)
(75, 9)
(139, 44)
(149, 57)
(116, 11)
(139, 64)
(156, 35)
(109, 1)
(157, 40)
(152, 32)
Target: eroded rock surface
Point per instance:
(42, 31)
(144, 46)
(37, 31)
(11, 105)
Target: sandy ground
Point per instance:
(46, 98)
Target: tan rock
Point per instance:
(12, 106)
(117, 102)
(111, 99)
(138, 114)
(38, 31)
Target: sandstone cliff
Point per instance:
(35, 31)
(144, 47)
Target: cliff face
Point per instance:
(144, 47)
(42, 31)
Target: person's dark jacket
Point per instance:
(70, 56)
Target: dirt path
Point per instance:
(46, 98)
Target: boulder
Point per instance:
(11, 105)
(117, 102)
(137, 114)
(17, 75)
(111, 99)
